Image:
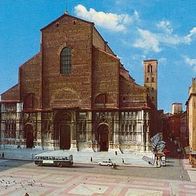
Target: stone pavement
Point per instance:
(191, 171)
(129, 159)
(38, 181)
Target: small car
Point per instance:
(105, 163)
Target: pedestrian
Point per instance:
(123, 161)
(91, 159)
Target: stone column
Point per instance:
(19, 124)
(39, 131)
(142, 131)
(115, 146)
(88, 145)
(73, 132)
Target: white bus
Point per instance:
(58, 161)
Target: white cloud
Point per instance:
(164, 36)
(192, 34)
(147, 41)
(190, 62)
(110, 21)
(165, 25)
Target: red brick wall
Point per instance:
(131, 94)
(30, 79)
(99, 42)
(106, 77)
(11, 94)
(74, 89)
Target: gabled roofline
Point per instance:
(65, 15)
(104, 40)
(30, 59)
(138, 85)
(9, 89)
(122, 67)
(107, 53)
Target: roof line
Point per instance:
(29, 59)
(104, 40)
(9, 89)
(109, 54)
(65, 14)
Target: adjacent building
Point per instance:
(191, 113)
(175, 125)
(75, 94)
(176, 108)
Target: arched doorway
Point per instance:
(29, 136)
(62, 126)
(103, 138)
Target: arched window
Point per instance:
(65, 61)
(149, 68)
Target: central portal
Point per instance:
(103, 138)
(65, 137)
(63, 129)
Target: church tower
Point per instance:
(150, 79)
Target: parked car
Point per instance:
(106, 163)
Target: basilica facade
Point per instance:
(75, 94)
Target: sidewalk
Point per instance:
(191, 171)
(126, 159)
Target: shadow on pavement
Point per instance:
(6, 164)
(82, 166)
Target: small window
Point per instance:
(149, 68)
(65, 61)
(152, 79)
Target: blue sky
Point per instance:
(135, 29)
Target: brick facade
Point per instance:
(96, 106)
(191, 114)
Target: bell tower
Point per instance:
(150, 79)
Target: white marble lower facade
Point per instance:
(81, 130)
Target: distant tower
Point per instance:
(176, 108)
(150, 79)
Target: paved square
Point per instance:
(50, 181)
